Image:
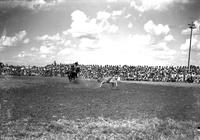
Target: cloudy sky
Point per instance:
(133, 32)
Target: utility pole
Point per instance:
(191, 26)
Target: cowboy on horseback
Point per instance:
(74, 70)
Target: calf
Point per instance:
(111, 79)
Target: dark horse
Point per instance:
(73, 75)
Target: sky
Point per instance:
(114, 32)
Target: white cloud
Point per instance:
(24, 54)
(162, 54)
(185, 31)
(30, 4)
(159, 29)
(117, 13)
(46, 37)
(197, 24)
(8, 41)
(195, 44)
(88, 44)
(43, 56)
(139, 40)
(53, 40)
(130, 25)
(195, 50)
(69, 55)
(162, 46)
(118, 1)
(53, 47)
(135, 50)
(103, 15)
(66, 52)
(145, 5)
(159, 5)
(85, 27)
(34, 49)
(79, 16)
(21, 35)
(67, 43)
(21, 54)
(138, 50)
(81, 25)
(12, 41)
(151, 53)
(128, 16)
(113, 29)
(111, 1)
(47, 50)
(169, 38)
(26, 41)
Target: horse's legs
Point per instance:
(69, 77)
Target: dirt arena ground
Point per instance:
(46, 102)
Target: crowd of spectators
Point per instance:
(126, 72)
(143, 73)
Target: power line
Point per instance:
(191, 26)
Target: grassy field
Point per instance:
(52, 108)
